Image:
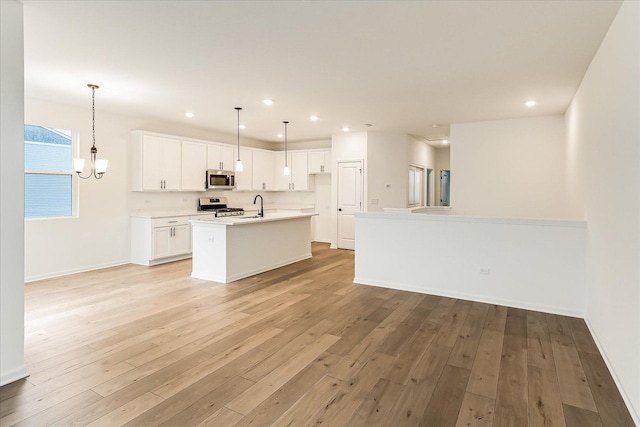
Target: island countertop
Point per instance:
(253, 219)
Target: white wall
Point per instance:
(11, 193)
(99, 237)
(510, 168)
(534, 264)
(387, 161)
(603, 127)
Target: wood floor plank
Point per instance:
(451, 326)
(222, 417)
(218, 380)
(410, 405)
(466, 345)
(574, 387)
(339, 409)
(264, 388)
(545, 404)
(358, 357)
(486, 365)
(511, 398)
(539, 349)
(271, 409)
(496, 318)
(212, 364)
(610, 405)
(267, 348)
(476, 411)
(412, 352)
(578, 417)
(376, 406)
(207, 405)
(446, 401)
(56, 412)
(301, 412)
(286, 351)
(128, 411)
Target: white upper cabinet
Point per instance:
(263, 167)
(298, 179)
(320, 161)
(194, 166)
(156, 163)
(220, 157)
(167, 163)
(244, 178)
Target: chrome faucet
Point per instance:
(261, 210)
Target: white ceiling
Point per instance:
(400, 66)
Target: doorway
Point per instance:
(350, 184)
(445, 187)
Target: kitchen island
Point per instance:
(228, 249)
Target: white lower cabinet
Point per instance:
(160, 240)
(170, 241)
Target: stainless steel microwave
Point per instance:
(221, 180)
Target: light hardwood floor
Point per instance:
(300, 345)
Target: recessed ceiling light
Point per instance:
(189, 114)
(345, 129)
(268, 102)
(313, 118)
(435, 125)
(279, 135)
(445, 141)
(242, 126)
(530, 103)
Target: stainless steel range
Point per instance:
(218, 205)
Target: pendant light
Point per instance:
(239, 167)
(286, 164)
(98, 166)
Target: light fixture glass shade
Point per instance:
(239, 167)
(286, 170)
(101, 165)
(78, 165)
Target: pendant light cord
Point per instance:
(285, 143)
(93, 112)
(238, 131)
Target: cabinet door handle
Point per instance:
(321, 168)
(173, 222)
(293, 185)
(264, 186)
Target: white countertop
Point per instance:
(251, 219)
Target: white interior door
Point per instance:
(349, 201)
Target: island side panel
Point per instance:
(209, 251)
(262, 246)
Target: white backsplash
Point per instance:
(188, 201)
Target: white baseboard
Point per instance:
(36, 277)
(627, 400)
(13, 375)
(229, 279)
(470, 297)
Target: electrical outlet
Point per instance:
(374, 201)
(485, 270)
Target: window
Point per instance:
(48, 189)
